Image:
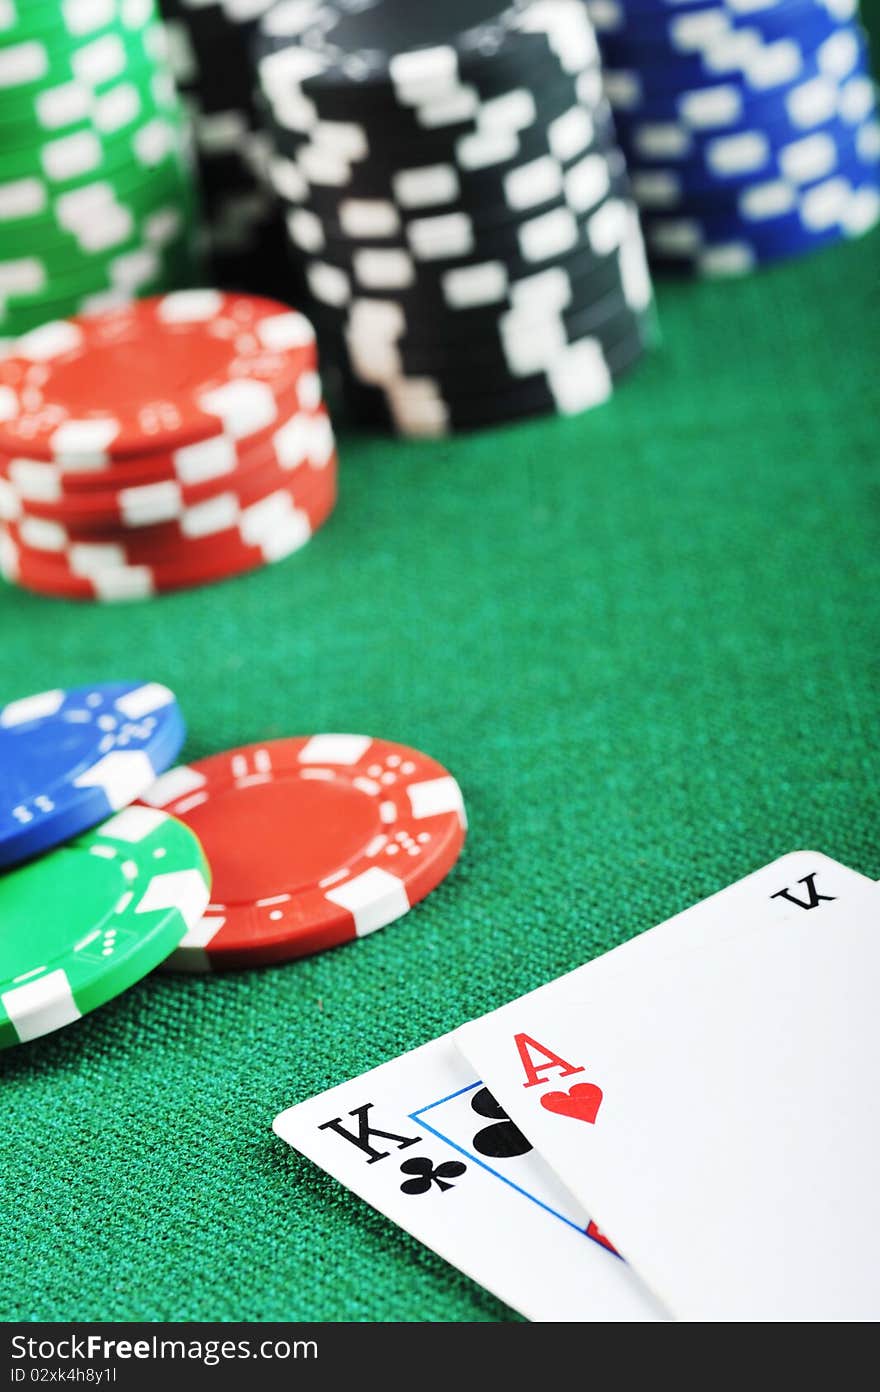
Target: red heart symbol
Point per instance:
(582, 1103)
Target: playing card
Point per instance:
(709, 1092)
(426, 1144)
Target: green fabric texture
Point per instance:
(645, 642)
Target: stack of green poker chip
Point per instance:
(97, 194)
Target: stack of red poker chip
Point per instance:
(176, 441)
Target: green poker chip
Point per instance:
(74, 19)
(82, 155)
(50, 108)
(70, 21)
(80, 925)
(86, 218)
(111, 254)
(34, 65)
(47, 277)
(119, 106)
(173, 268)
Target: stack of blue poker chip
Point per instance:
(71, 759)
(749, 126)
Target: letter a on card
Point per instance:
(530, 1051)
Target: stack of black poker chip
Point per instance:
(456, 203)
(242, 228)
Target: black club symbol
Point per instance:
(503, 1139)
(427, 1173)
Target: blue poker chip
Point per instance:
(70, 759)
(686, 26)
(730, 156)
(733, 103)
(818, 154)
(823, 214)
(636, 74)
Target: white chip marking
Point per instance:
(711, 108)
(745, 153)
(199, 935)
(538, 181)
(439, 238)
(374, 899)
(662, 140)
(244, 407)
(144, 700)
(41, 1006)
(22, 198)
(42, 534)
(49, 341)
(117, 774)
(772, 199)
(383, 270)
(427, 187)
(570, 134)
(486, 148)
(23, 63)
(587, 183)
(483, 284)
(184, 890)
(176, 783)
(285, 333)
(345, 750)
(580, 379)
(206, 459)
(62, 105)
(38, 707)
(812, 157)
(363, 217)
(549, 234)
(71, 155)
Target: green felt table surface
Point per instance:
(645, 642)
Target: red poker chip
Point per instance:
(160, 373)
(148, 505)
(45, 481)
(313, 841)
(203, 532)
(138, 508)
(289, 525)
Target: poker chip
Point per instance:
(750, 131)
(92, 918)
(585, 378)
(262, 533)
(313, 841)
(32, 489)
(166, 532)
(97, 199)
(432, 164)
(171, 370)
(217, 455)
(69, 759)
(199, 526)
